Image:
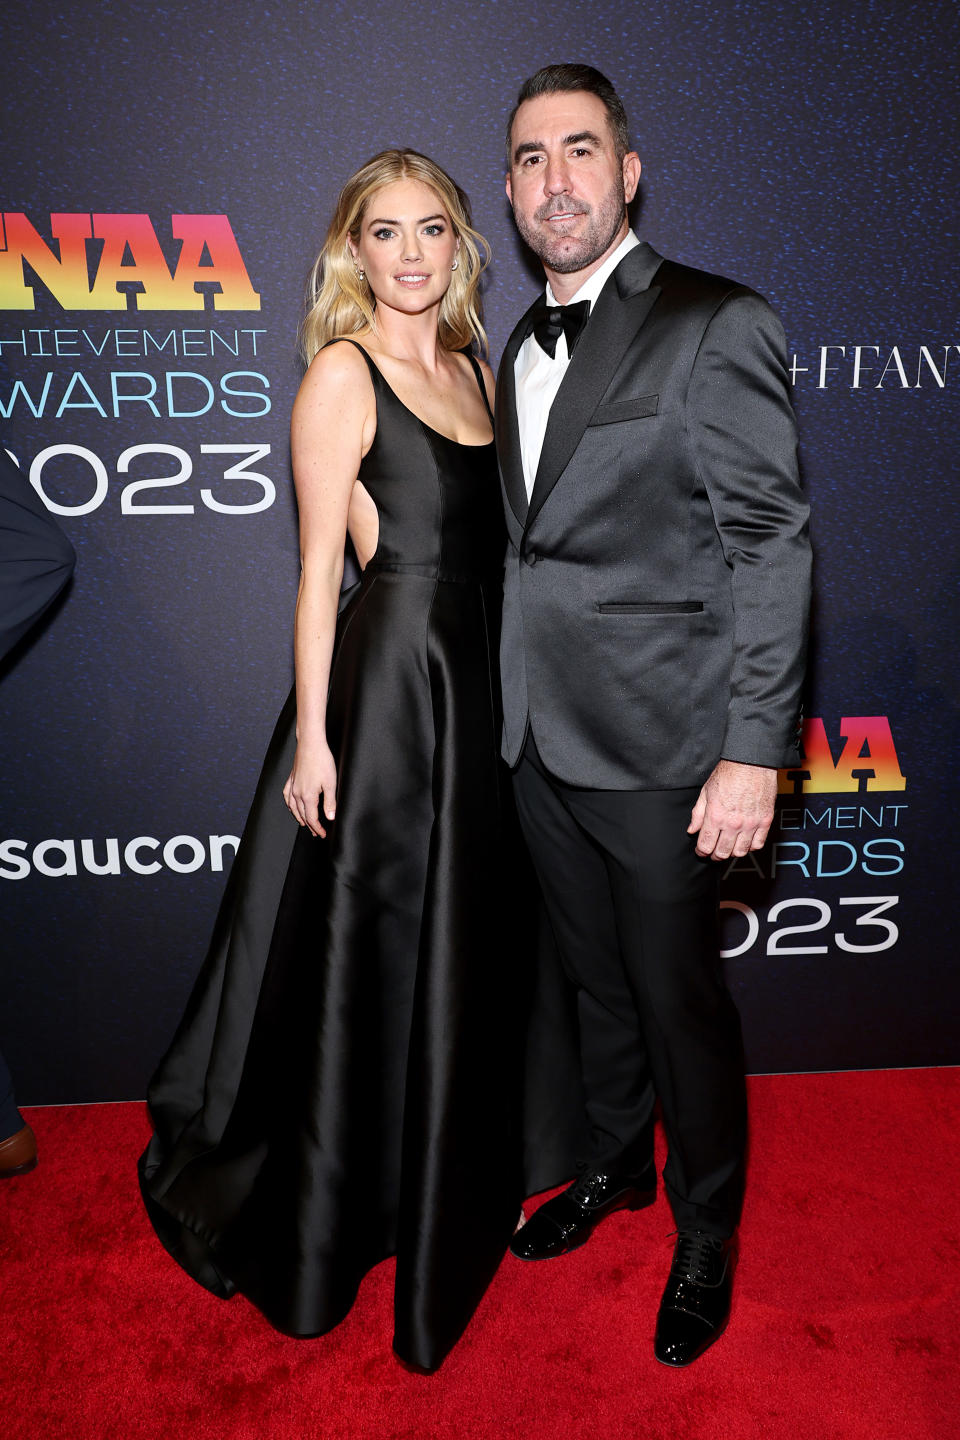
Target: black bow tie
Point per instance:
(548, 322)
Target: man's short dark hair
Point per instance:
(557, 79)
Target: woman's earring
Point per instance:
(456, 262)
(361, 274)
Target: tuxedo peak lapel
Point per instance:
(636, 270)
(506, 425)
(621, 308)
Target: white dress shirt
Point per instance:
(538, 375)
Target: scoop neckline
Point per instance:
(463, 444)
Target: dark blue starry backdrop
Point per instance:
(810, 151)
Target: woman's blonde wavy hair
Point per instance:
(341, 304)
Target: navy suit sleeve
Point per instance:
(36, 558)
(744, 439)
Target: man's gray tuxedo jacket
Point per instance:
(36, 558)
(656, 594)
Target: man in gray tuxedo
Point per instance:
(654, 632)
(36, 561)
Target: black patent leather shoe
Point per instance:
(567, 1220)
(696, 1302)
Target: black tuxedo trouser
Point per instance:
(633, 911)
(10, 1118)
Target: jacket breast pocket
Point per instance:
(650, 607)
(639, 407)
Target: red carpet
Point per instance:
(844, 1324)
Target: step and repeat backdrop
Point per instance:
(169, 171)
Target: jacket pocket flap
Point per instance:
(637, 408)
(650, 607)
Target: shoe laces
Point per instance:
(586, 1190)
(694, 1252)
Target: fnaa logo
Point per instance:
(99, 253)
(867, 759)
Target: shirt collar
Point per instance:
(592, 286)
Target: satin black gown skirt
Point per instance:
(341, 1088)
(345, 1083)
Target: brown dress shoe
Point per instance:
(18, 1155)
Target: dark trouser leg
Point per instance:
(661, 901)
(576, 888)
(10, 1118)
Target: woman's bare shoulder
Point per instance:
(489, 379)
(336, 372)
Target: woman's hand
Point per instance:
(314, 775)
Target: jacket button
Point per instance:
(530, 557)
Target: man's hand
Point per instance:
(734, 810)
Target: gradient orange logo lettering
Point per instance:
(868, 753)
(131, 253)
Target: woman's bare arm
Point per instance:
(332, 427)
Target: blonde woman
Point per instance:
(340, 1089)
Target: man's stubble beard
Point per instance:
(599, 235)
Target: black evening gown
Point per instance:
(343, 1085)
